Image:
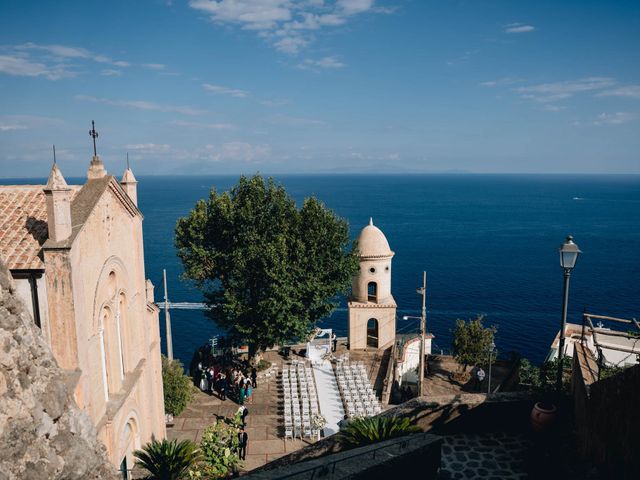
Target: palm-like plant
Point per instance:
(364, 431)
(167, 460)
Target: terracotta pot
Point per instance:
(542, 416)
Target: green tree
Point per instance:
(167, 460)
(219, 446)
(178, 388)
(367, 430)
(471, 342)
(268, 269)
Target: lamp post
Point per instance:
(423, 325)
(569, 252)
(491, 348)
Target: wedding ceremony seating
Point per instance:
(300, 400)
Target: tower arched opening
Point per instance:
(372, 333)
(372, 291)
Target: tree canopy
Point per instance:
(268, 269)
(471, 342)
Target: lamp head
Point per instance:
(405, 318)
(569, 252)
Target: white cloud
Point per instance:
(499, 82)
(617, 118)
(220, 90)
(518, 28)
(9, 127)
(111, 72)
(629, 91)
(285, 23)
(23, 67)
(53, 62)
(551, 92)
(153, 148)
(154, 66)
(330, 62)
(141, 105)
(66, 51)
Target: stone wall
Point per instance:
(607, 416)
(43, 434)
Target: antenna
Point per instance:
(54, 154)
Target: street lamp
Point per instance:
(423, 325)
(569, 252)
(491, 349)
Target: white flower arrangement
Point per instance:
(318, 421)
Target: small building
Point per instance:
(372, 309)
(75, 253)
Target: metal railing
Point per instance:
(328, 469)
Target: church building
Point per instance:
(76, 256)
(372, 309)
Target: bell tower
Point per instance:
(372, 308)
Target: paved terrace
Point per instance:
(264, 422)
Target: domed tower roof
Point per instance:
(372, 243)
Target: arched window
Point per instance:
(372, 291)
(372, 333)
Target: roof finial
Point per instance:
(93, 134)
(54, 154)
(370, 220)
(128, 167)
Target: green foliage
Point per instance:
(607, 371)
(219, 446)
(471, 342)
(178, 388)
(167, 460)
(268, 270)
(364, 431)
(542, 380)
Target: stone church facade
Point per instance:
(75, 253)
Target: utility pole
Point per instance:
(167, 318)
(423, 326)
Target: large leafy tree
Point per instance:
(268, 269)
(471, 342)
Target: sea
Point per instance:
(489, 245)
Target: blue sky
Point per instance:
(284, 86)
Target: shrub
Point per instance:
(219, 446)
(178, 388)
(165, 460)
(368, 430)
(263, 365)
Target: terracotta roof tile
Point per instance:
(23, 225)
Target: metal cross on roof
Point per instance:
(93, 134)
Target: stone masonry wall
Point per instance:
(43, 434)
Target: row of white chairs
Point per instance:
(300, 401)
(358, 396)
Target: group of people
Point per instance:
(233, 382)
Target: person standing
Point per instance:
(223, 387)
(254, 377)
(243, 440)
(334, 342)
(241, 394)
